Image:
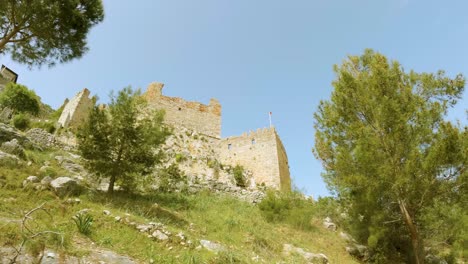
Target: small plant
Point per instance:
(83, 222)
(180, 157)
(21, 121)
(238, 172)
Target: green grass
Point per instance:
(239, 226)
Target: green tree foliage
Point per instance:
(119, 142)
(387, 151)
(37, 32)
(238, 172)
(20, 99)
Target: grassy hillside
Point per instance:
(239, 226)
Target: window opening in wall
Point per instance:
(253, 141)
(229, 146)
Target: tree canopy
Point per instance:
(120, 141)
(388, 153)
(20, 99)
(37, 32)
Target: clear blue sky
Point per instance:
(257, 56)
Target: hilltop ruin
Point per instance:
(197, 135)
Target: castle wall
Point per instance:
(260, 152)
(285, 177)
(205, 119)
(76, 110)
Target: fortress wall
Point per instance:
(76, 110)
(205, 119)
(257, 152)
(285, 177)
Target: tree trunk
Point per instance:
(110, 189)
(416, 241)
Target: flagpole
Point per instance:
(269, 115)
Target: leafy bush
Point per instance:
(238, 172)
(169, 177)
(20, 99)
(21, 121)
(46, 125)
(83, 222)
(289, 208)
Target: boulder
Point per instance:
(8, 133)
(328, 224)
(160, 235)
(30, 180)
(64, 186)
(8, 159)
(289, 249)
(46, 181)
(358, 251)
(212, 246)
(13, 147)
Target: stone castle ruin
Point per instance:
(197, 145)
(76, 110)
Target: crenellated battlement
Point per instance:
(205, 119)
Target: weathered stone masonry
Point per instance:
(76, 110)
(261, 152)
(205, 119)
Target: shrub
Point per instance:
(21, 121)
(169, 177)
(238, 172)
(289, 208)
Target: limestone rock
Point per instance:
(70, 165)
(289, 249)
(212, 246)
(160, 235)
(65, 185)
(358, 251)
(144, 228)
(41, 137)
(46, 181)
(347, 237)
(13, 147)
(8, 159)
(106, 212)
(328, 224)
(30, 180)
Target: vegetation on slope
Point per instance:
(237, 225)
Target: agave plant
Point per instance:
(83, 221)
